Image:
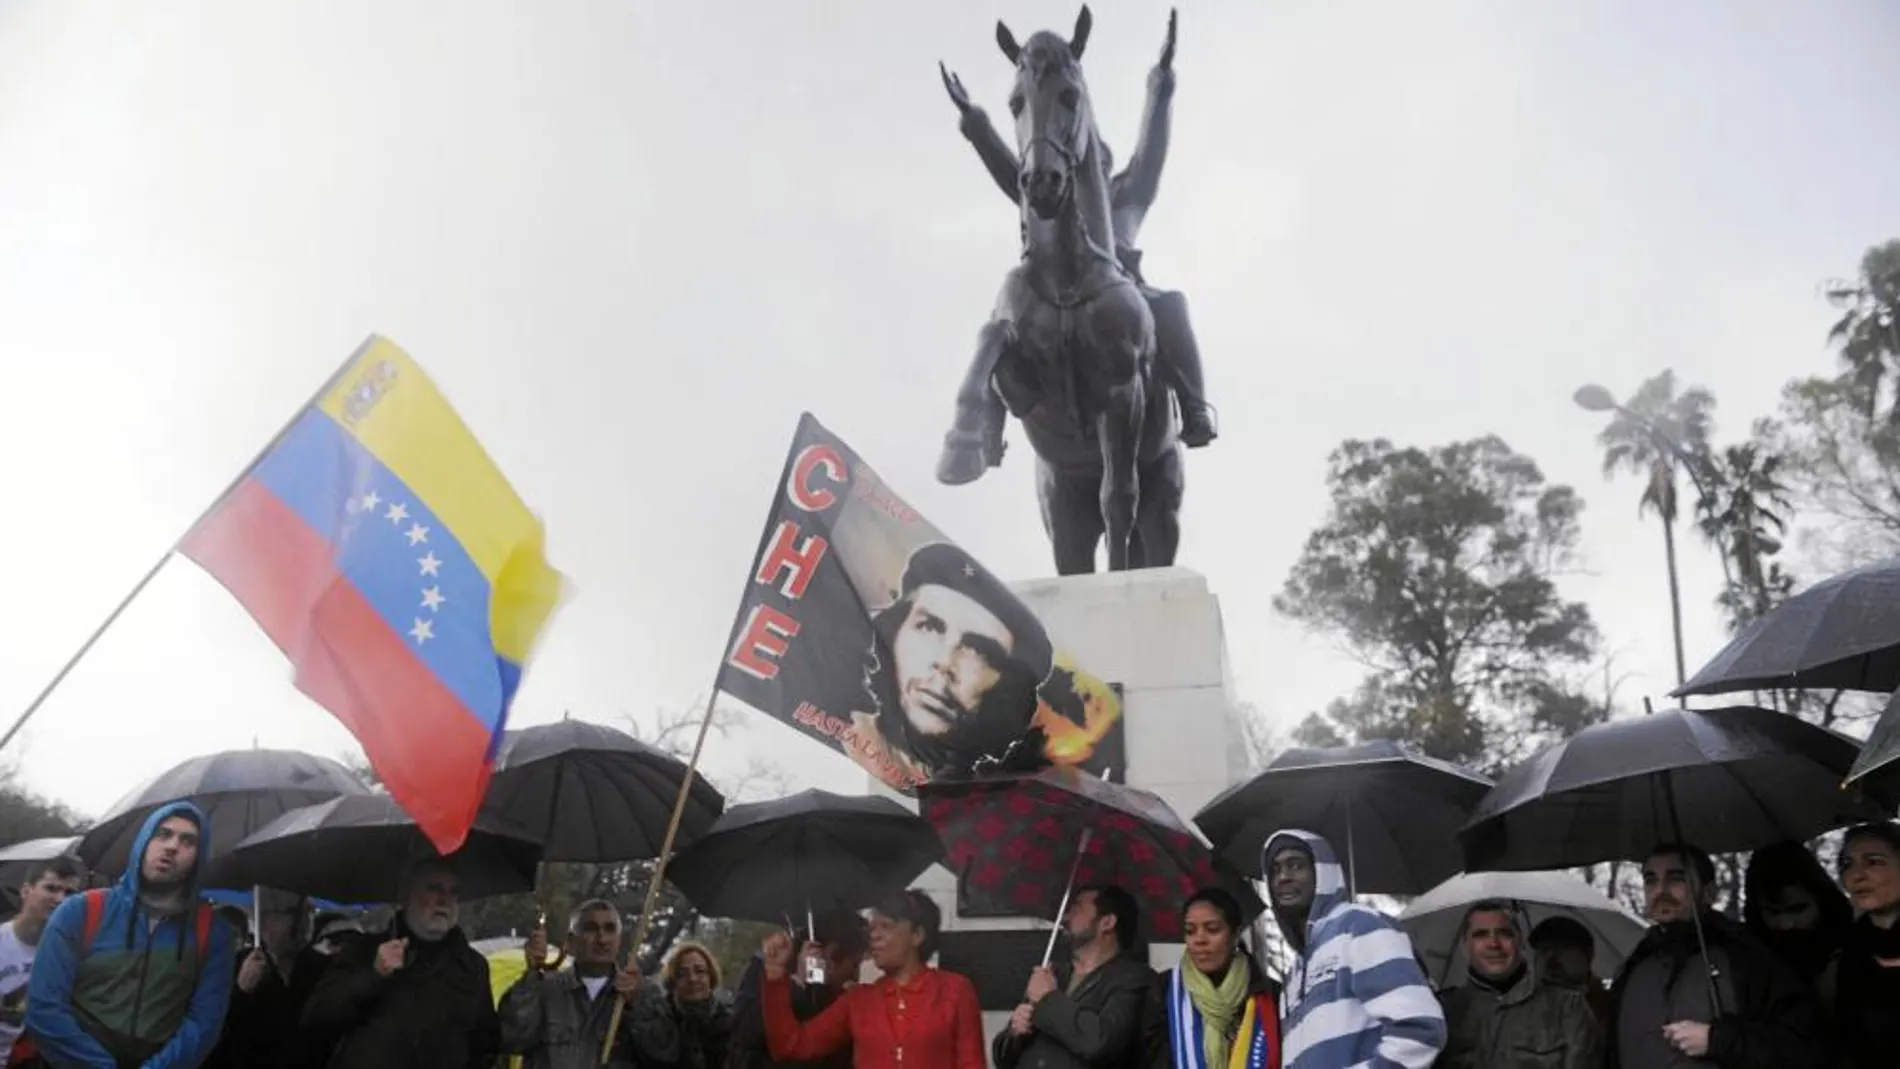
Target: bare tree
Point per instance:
(676, 731)
(1262, 740)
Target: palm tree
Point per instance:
(1652, 435)
(1744, 514)
(1868, 332)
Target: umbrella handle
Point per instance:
(1062, 908)
(560, 953)
(1695, 904)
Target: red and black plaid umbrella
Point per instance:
(1012, 842)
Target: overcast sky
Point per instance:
(632, 240)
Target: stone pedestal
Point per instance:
(1158, 633)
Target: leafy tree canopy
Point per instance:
(1437, 569)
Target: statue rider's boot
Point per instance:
(1198, 423)
(1180, 357)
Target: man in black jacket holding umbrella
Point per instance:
(1741, 1008)
(1098, 1022)
(415, 998)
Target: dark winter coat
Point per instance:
(1100, 1025)
(1770, 1017)
(436, 1012)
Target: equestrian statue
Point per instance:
(1101, 368)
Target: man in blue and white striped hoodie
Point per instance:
(1355, 996)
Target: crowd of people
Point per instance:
(145, 974)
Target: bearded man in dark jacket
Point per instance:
(418, 998)
(1742, 1008)
(1101, 1019)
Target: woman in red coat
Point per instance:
(914, 1017)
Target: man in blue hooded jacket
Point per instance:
(149, 983)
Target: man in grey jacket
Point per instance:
(558, 1020)
(1501, 1015)
(1098, 1021)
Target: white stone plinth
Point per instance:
(1158, 633)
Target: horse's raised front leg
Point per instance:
(975, 441)
(1118, 432)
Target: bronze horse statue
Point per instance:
(1070, 347)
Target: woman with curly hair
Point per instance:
(691, 981)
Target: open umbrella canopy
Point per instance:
(242, 899)
(1388, 811)
(1720, 779)
(41, 849)
(1012, 842)
(359, 848)
(812, 852)
(16, 859)
(1842, 633)
(1435, 920)
(1882, 748)
(239, 791)
(592, 793)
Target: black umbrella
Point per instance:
(1719, 779)
(1391, 812)
(595, 794)
(239, 791)
(359, 847)
(812, 852)
(1841, 633)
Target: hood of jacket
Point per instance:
(133, 878)
(1329, 876)
(1775, 868)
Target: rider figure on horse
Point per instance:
(976, 441)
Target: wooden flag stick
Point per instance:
(659, 868)
(152, 573)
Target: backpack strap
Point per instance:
(95, 912)
(203, 932)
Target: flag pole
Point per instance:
(692, 765)
(659, 867)
(171, 550)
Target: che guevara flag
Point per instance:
(380, 548)
(864, 628)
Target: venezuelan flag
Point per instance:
(381, 549)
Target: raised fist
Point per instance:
(776, 950)
(627, 982)
(536, 948)
(389, 956)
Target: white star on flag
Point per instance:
(397, 513)
(418, 533)
(432, 598)
(422, 632)
(369, 502)
(428, 563)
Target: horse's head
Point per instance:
(1054, 122)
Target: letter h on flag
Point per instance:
(380, 548)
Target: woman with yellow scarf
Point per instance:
(1223, 1008)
